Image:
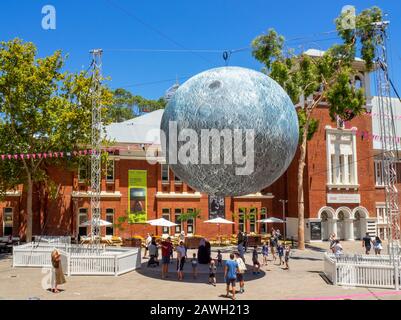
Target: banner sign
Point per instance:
(137, 198)
(216, 207)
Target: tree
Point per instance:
(327, 78)
(124, 103)
(190, 215)
(43, 110)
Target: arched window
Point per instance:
(358, 82)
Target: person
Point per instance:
(219, 258)
(280, 251)
(245, 242)
(240, 237)
(57, 276)
(182, 236)
(241, 271)
(278, 234)
(181, 254)
(367, 243)
(166, 249)
(230, 275)
(255, 261)
(208, 249)
(265, 253)
(212, 272)
(287, 256)
(148, 240)
(202, 252)
(272, 245)
(332, 241)
(338, 248)
(194, 263)
(153, 254)
(241, 251)
(378, 246)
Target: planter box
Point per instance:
(192, 242)
(135, 243)
(254, 240)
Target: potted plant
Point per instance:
(131, 240)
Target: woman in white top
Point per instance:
(181, 254)
(338, 248)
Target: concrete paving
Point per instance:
(304, 280)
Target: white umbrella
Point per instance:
(161, 223)
(101, 223)
(219, 221)
(271, 220)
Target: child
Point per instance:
(280, 251)
(256, 264)
(212, 272)
(265, 252)
(194, 263)
(219, 258)
(272, 245)
(287, 256)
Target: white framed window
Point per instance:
(177, 220)
(82, 217)
(341, 158)
(110, 171)
(253, 212)
(83, 170)
(241, 219)
(7, 221)
(381, 214)
(166, 215)
(190, 223)
(263, 215)
(379, 173)
(177, 180)
(165, 173)
(110, 218)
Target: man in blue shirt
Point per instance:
(230, 275)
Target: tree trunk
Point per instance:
(29, 209)
(301, 166)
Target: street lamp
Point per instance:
(285, 223)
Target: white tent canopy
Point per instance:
(161, 223)
(101, 223)
(219, 221)
(271, 220)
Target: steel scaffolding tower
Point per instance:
(389, 146)
(96, 144)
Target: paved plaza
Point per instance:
(304, 280)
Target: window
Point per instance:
(252, 219)
(8, 221)
(110, 218)
(165, 175)
(177, 180)
(166, 215)
(83, 170)
(381, 213)
(177, 220)
(263, 215)
(82, 217)
(190, 222)
(341, 157)
(241, 219)
(110, 171)
(379, 173)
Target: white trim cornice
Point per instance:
(103, 194)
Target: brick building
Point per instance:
(343, 187)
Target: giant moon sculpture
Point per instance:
(256, 126)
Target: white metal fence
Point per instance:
(53, 239)
(78, 259)
(362, 271)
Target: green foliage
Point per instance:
(124, 102)
(190, 215)
(313, 125)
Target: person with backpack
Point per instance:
(241, 270)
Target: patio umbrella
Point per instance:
(102, 223)
(271, 220)
(161, 223)
(219, 221)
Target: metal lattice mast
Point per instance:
(389, 145)
(96, 143)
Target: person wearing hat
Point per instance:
(57, 276)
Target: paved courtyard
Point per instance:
(304, 280)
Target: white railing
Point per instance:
(361, 270)
(53, 239)
(78, 259)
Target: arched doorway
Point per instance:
(325, 225)
(328, 223)
(345, 229)
(360, 214)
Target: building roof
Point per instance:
(320, 53)
(143, 129)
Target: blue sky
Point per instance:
(178, 24)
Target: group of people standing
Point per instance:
(367, 243)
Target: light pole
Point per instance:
(285, 223)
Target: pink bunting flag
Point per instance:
(61, 154)
(80, 152)
(15, 156)
(50, 155)
(34, 155)
(75, 153)
(45, 155)
(28, 156)
(56, 154)
(39, 155)
(22, 156)
(9, 156)
(3, 156)
(85, 152)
